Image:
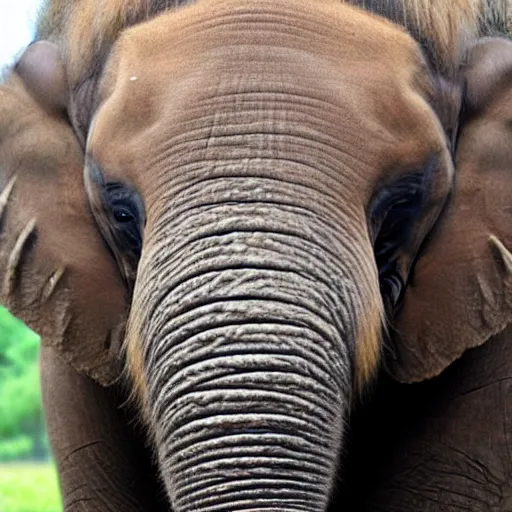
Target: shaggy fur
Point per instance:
(445, 28)
(86, 29)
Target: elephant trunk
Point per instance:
(245, 330)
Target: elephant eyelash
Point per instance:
(395, 207)
(393, 214)
(124, 210)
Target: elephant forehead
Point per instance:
(335, 70)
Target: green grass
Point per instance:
(29, 488)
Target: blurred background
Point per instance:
(28, 481)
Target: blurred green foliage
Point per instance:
(22, 433)
(29, 487)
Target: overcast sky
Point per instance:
(17, 19)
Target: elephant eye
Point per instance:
(124, 209)
(394, 212)
(122, 215)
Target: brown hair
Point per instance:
(86, 29)
(445, 28)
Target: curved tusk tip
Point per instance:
(504, 253)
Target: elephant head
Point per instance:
(263, 175)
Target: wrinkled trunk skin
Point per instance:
(255, 284)
(248, 346)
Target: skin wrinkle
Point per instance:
(221, 487)
(225, 440)
(276, 446)
(247, 363)
(285, 363)
(220, 497)
(313, 468)
(237, 189)
(301, 142)
(174, 333)
(216, 331)
(242, 487)
(207, 398)
(280, 478)
(173, 267)
(303, 135)
(310, 238)
(268, 450)
(220, 327)
(274, 189)
(187, 338)
(279, 438)
(322, 196)
(246, 192)
(259, 228)
(303, 270)
(195, 342)
(301, 393)
(280, 362)
(156, 248)
(263, 264)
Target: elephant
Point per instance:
(213, 291)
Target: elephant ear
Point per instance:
(44, 75)
(55, 271)
(460, 292)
